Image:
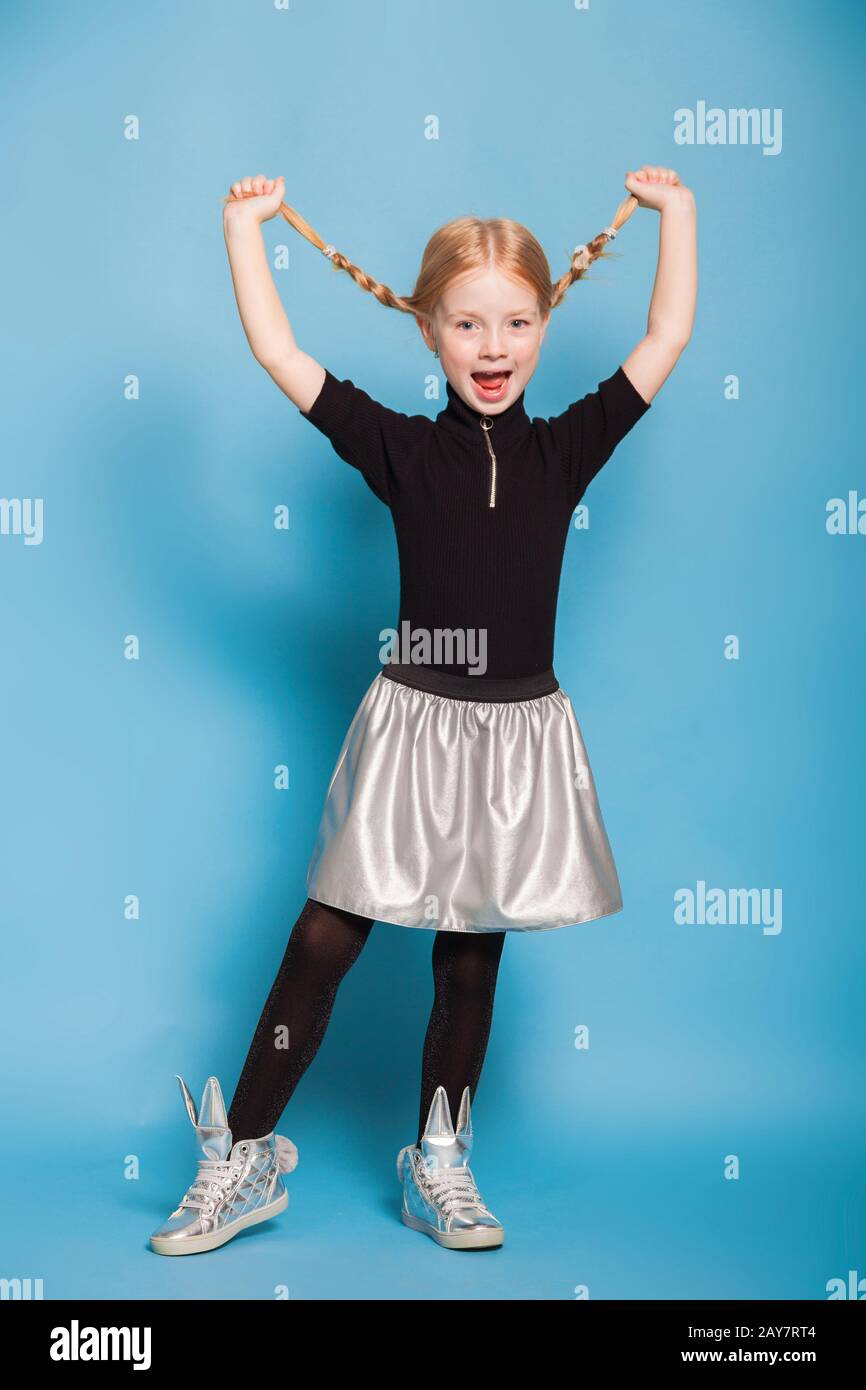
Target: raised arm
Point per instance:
(672, 307)
(253, 201)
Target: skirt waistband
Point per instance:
(458, 687)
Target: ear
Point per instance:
(426, 330)
(544, 322)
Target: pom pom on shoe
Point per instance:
(287, 1153)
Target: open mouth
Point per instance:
(491, 386)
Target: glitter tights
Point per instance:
(324, 943)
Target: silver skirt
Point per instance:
(464, 815)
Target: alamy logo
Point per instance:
(76, 1343)
(736, 126)
(22, 516)
(846, 518)
(443, 646)
(729, 907)
(854, 1287)
(21, 1288)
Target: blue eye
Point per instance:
(525, 322)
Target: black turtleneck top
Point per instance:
(487, 574)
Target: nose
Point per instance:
(490, 347)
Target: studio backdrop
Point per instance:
(194, 586)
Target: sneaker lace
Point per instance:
(453, 1188)
(213, 1181)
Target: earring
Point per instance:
(435, 352)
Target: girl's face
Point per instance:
(489, 331)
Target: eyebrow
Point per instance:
(474, 314)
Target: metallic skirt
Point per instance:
(462, 814)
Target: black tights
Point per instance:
(324, 943)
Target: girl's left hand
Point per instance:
(654, 187)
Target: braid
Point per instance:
(581, 259)
(340, 262)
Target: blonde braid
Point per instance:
(384, 295)
(583, 256)
(581, 259)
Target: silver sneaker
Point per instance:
(439, 1192)
(237, 1185)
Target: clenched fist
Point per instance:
(655, 187)
(256, 196)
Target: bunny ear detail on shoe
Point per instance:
(211, 1125)
(188, 1100)
(212, 1111)
(287, 1153)
(212, 1128)
(439, 1116)
(439, 1143)
(464, 1117)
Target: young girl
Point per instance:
(462, 800)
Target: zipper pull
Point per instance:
(487, 428)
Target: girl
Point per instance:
(462, 800)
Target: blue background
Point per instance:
(155, 777)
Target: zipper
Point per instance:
(487, 427)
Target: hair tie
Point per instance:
(581, 253)
(329, 251)
(609, 232)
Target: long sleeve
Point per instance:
(586, 434)
(366, 434)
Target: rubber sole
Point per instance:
(483, 1238)
(196, 1245)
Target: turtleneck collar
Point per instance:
(510, 426)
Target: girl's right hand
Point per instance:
(256, 196)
